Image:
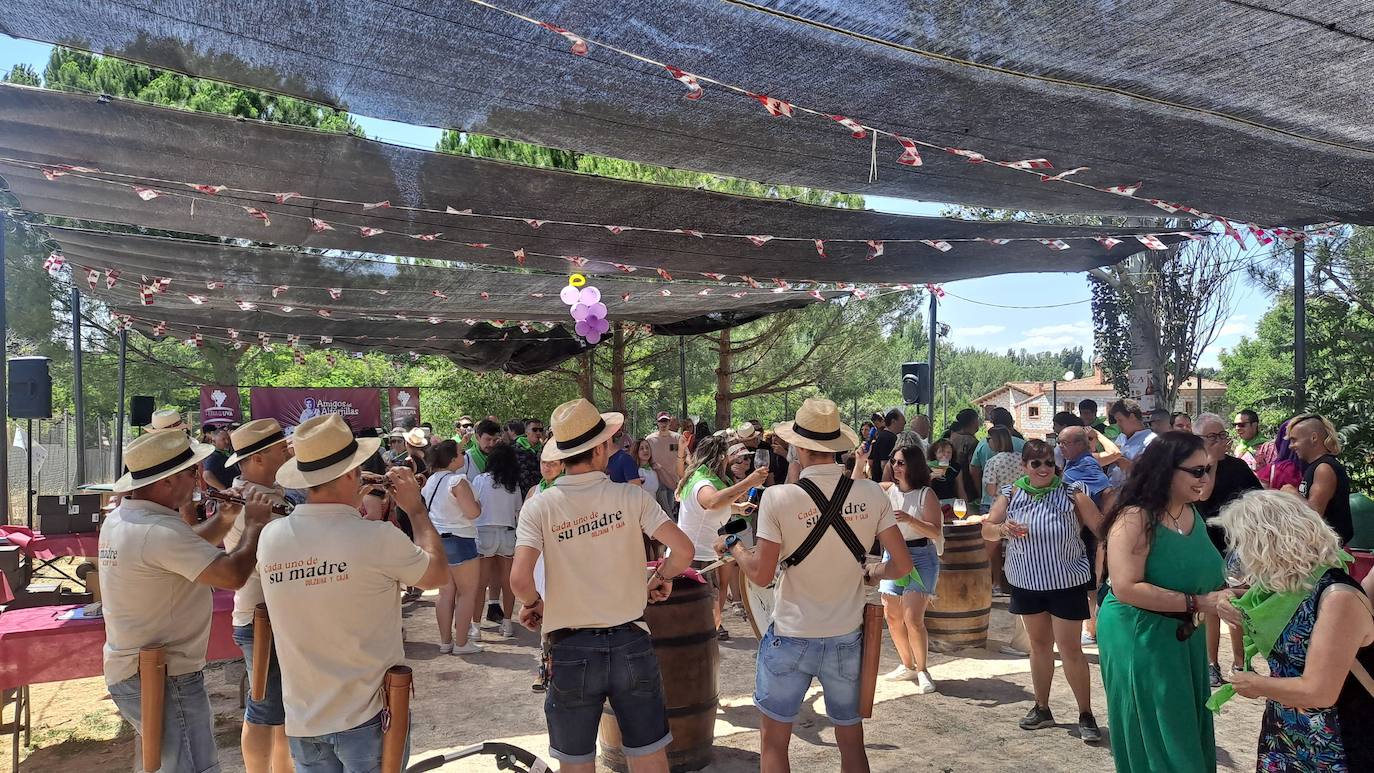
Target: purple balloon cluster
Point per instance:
(587, 311)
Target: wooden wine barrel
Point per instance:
(684, 635)
(958, 615)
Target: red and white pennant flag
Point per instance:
(998, 242)
(688, 232)
(1030, 163)
(627, 269)
(1260, 234)
(160, 329)
(198, 300)
(687, 79)
(317, 225)
(519, 256)
(377, 205)
(326, 313)
(576, 260)
(111, 277)
(1152, 242)
(451, 211)
(335, 293)
(209, 190)
(972, 156)
(245, 305)
(147, 194)
(534, 223)
(282, 198)
(92, 278)
(775, 107)
(749, 280)
(663, 273)
(820, 248)
(145, 295)
(1044, 178)
(935, 290)
(1107, 242)
(615, 229)
(426, 237)
(438, 295)
(759, 240)
(1123, 190)
(579, 46)
(279, 289)
(367, 231)
(939, 244)
(875, 249)
(910, 155)
(856, 129)
(259, 214)
(211, 284)
(1054, 244)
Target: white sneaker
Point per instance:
(1007, 649)
(446, 649)
(507, 629)
(471, 648)
(898, 674)
(474, 633)
(924, 684)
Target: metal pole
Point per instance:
(1299, 324)
(944, 406)
(119, 426)
(1198, 376)
(79, 398)
(28, 484)
(1054, 397)
(930, 356)
(4, 396)
(682, 371)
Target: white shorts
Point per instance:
(495, 541)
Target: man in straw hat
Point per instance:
(166, 419)
(332, 581)
(816, 631)
(588, 531)
(260, 449)
(156, 576)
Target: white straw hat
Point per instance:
(746, 431)
(157, 455)
(164, 420)
(416, 438)
(818, 428)
(325, 450)
(578, 426)
(253, 437)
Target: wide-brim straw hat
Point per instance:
(818, 428)
(164, 420)
(157, 455)
(416, 438)
(253, 437)
(746, 431)
(578, 426)
(325, 450)
(397, 432)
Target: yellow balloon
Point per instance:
(577, 280)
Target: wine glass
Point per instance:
(960, 509)
(761, 458)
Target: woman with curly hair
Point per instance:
(1312, 621)
(1163, 573)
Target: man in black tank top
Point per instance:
(1325, 483)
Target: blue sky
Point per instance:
(971, 322)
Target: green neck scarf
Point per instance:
(1266, 614)
(478, 458)
(700, 474)
(525, 443)
(545, 485)
(1037, 494)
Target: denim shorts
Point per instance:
(592, 666)
(269, 710)
(188, 733)
(459, 550)
(787, 664)
(926, 565)
(495, 541)
(357, 749)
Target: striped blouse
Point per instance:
(1052, 555)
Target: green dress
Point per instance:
(1157, 685)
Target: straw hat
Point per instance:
(818, 428)
(578, 426)
(254, 437)
(416, 438)
(746, 431)
(396, 432)
(737, 449)
(325, 450)
(164, 420)
(158, 455)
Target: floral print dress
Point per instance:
(1332, 740)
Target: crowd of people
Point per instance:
(1129, 534)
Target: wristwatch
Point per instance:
(731, 541)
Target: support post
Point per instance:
(1054, 397)
(944, 408)
(930, 356)
(28, 482)
(682, 371)
(77, 391)
(4, 394)
(1299, 324)
(1198, 404)
(119, 421)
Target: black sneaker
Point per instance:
(1087, 728)
(1214, 675)
(1038, 717)
(722, 634)
(494, 611)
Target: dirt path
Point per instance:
(969, 726)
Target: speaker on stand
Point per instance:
(30, 397)
(141, 410)
(916, 386)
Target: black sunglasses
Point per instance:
(1197, 472)
(1036, 464)
(464, 426)
(1240, 424)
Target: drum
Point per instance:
(958, 615)
(684, 635)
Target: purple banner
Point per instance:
(405, 406)
(220, 405)
(361, 408)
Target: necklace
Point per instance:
(1177, 527)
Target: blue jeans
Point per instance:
(925, 564)
(787, 664)
(270, 710)
(188, 733)
(592, 666)
(358, 750)
(459, 550)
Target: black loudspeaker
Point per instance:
(30, 388)
(140, 410)
(916, 386)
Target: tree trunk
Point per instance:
(584, 375)
(723, 368)
(618, 368)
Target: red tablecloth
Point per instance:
(36, 544)
(1364, 562)
(6, 592)
(36, 647)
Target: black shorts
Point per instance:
(1066, 604)
(1090, 546)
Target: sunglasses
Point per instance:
(464, 426)
(1240, 424)
(1036, 464)
(899, 462)
(1197, 472)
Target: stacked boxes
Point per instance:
(69, 513)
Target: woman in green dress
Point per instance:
(1163, 574)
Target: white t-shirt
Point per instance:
(247, 598)
(824, 595)
(499, 506)
(149, 562)
(444, 511)
(588, 530)
(911, 503)
(699, 523)
(650, 479)
(333, 582)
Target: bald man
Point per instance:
(1325, 483)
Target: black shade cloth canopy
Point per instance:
(129, 142)
(1256, 111)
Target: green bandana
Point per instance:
(545, 485)
(700, 474)
(1266, 614)
(1037, 494)
(478, 458)
(525, 443)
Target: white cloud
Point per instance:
(976, 330)
(1049, 337)
(1234, 326)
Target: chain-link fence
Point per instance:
(54, 457)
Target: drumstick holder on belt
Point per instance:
(152, 680)
(262, 651)
(396, 688)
